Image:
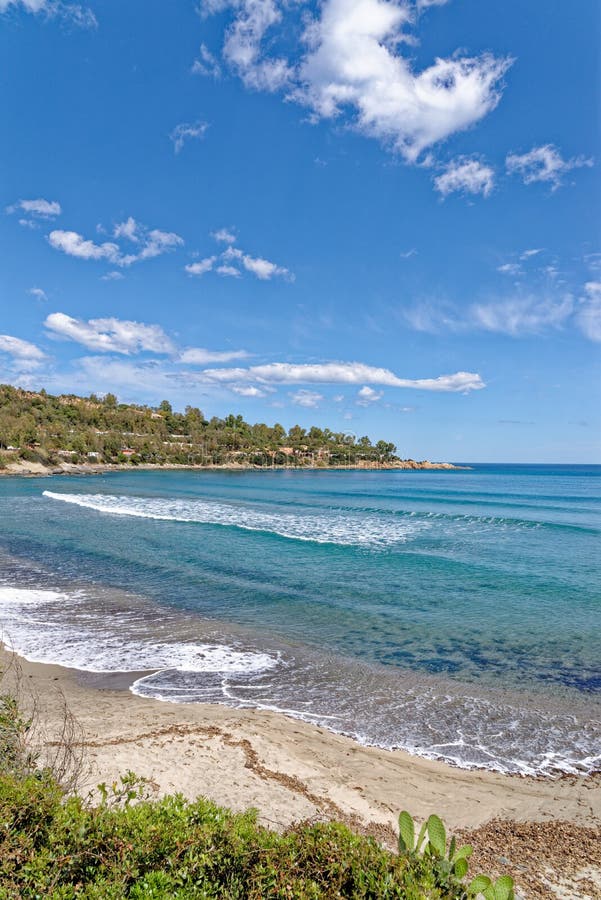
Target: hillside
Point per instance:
(42, 429)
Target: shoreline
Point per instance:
(541, 831)
(22, 468)
(340, 775)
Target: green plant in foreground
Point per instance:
(451, 861)
(15, 755)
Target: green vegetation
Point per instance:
(452, 860)
(41, 428)
(59, 846)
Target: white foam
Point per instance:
(331, 528)
(11, 597)
(57, 640)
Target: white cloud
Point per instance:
(341, 373)
(157, 243)
(112, 276)
(354, 62)
(308, 399)
(40, 208)
(263, 268)
(110, 335)
(522, 315)
(230, 271)
(367, 395)
(516, 316)
(72, 12)
(73, 244)
(407, 254)
(510, 269)
(128, 229)
(151, 243)
(224, 236)
(543, 164)
(149, 377)
(526, 254)
(248, 390)
(242, 46)
(24, 353)
(38, 293)
(353, 69)
(467, 176)
(186, 131)
(201, 267)
(200, 356)
(588, 315)
(424, 4)
(206, 64)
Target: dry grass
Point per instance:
(53, 741)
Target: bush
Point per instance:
(52, 846)
(128, 846)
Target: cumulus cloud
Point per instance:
(110, 335)
(156, 243)
(232, 260)
(543, 164)
(200, 356)
(228, 271)
(367, 395)
(37, 209)
(248, 390)
(74, 244)
(26, 354)
(526, 254)
(466, 176)
(72, 12)
(201, 267)
(588, 315)
(128, 229)
(224, 236)
(150, 243)
(341, 373)
(38, 293)
(187, 131)
(354, 62)
(354, 71)
(242, 46)
(206, 64)
(263, 268)
(308, 399)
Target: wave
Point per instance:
(103, 649)
(332, 528)
(344, 526)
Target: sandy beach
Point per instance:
(291, 771)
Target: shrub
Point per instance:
(51, 846)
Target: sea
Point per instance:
(453, 614)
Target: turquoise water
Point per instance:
(454, 614)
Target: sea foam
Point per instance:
(333, 527)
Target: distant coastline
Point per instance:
(28, 469)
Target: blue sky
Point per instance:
(378, 216)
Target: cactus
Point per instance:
(452, 861)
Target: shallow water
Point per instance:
(454, 614)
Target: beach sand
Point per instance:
(543, 832)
